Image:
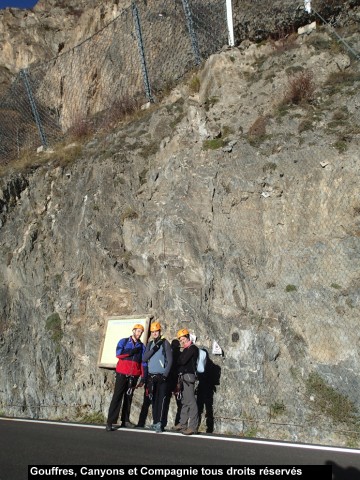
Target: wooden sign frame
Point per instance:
(115, 328)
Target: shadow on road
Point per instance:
(340, 473)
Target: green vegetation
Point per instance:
(150, 149)
(53, 327)
(194, 84)
(281, 110)
(276, 409)
(213, 144)
(321, 43)
(250, 432)
(290, 288)
(332, 403)
(305, 125)
(352, 441)
(210, 102)
(336, 286)
(269, 167)
(341, 145)
(337, 81)
(226, 131)
(92, 417)
(61, 155)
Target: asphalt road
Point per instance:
(24, 443)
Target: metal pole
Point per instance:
(24, 75)
(229, 17)
(142, 53)
(194, 42)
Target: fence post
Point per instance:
(24, 75)
(230, 24)
(194, 42)
(142, 52)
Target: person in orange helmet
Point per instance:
(129, 368)
(186, 363)
(159, 357)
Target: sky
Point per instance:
(17, 3)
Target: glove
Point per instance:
(134, 351)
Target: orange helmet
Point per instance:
(182, 332)
(138, 325)
(155, 326)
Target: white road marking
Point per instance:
(324, 448)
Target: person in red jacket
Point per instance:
(129, 368)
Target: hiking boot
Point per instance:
(157, 427)
(109, 428)
(128, 425)
(188, 431)
(178, 428)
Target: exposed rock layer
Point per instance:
(225, 211)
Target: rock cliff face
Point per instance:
(230, 208)
(53, 26)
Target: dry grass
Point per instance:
(284, 43)
(257, 132)
(122, 109)
(61, 155)
(339, 80)
(300, 88)
(258, 128)
(26, 160)
(81, 128)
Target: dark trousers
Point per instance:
(144, 409)
(122, 385)
(159, 393)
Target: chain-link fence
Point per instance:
(287, 282)
(137, 56)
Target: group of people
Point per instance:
(163, 369)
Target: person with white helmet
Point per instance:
(129, 368)
(158, 355)
(186, 363)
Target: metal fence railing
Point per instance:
(141, 53)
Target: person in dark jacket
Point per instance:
(187, 360)
(158, 355)
(129, 368)
(174, 387)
